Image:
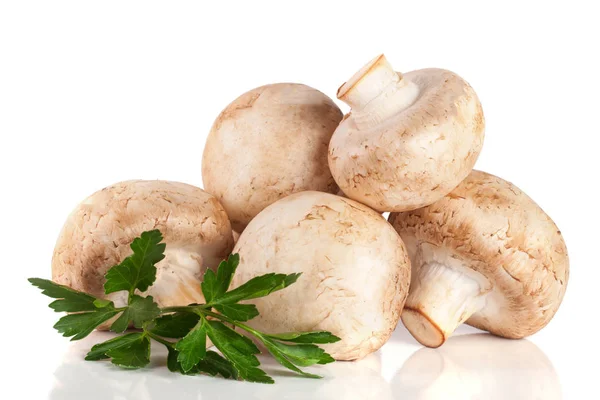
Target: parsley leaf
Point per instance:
(238, 312)
(137, 271)
(101, 303)
(98, 351)
(139, 310)
(191, 324)
(305, 337)
(174, 325)
(192, 348)
(81, 325)
(127, 351)
(281, 359)
(303, 354)
(293, 356)
(212, 364)
(215, 285)
(259, 286)
(69, 300)
(239, 350)
(136, 355)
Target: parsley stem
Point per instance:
(189, 309)
(130, 296)
(167, 310)
(158, 338)
(233, 322)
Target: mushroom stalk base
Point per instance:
(441, 298)
(377, 92)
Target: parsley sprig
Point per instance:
(184, 330)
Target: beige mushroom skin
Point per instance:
(485, 254)
(355, 270)
(98, 233)
(409, 139)
(268, 143)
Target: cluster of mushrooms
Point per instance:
(305, 188)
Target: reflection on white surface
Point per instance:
(478, 366)
(79, 379)
(473, 366)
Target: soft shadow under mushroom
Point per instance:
(478, 366)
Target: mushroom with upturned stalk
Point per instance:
(409, 138)
(355, 271)
(97, 235)
(485, 254)
(268, 143)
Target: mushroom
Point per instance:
(355, 270)
(97, 235)
(409, 139)
(486, 254)
(236, 236)
(478, 366)
(268, 143)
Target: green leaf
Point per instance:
(214, 286)
(172, 362)
(259, 286)
(69, 300)
(238, 312)
(81, 325)
(101, 303)
(174, 325)
(304, 355)
(137, 271)
(135, 355)
(225, 272)
(140, 310)
(281, 359)
(305, 337)
(296, 355)
(239, 350)
(192, 348)
(189, 324)
(213, 364)
(98, 351)
(209, 284)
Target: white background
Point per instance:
(92, 93)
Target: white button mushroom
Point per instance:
(268, 143)
(355, 270)
(409, 139)
(486, 254)
(98, 233)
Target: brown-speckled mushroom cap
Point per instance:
(355, 270)
(490, 254)
(410, 138)
(98, 233)
(268, 143)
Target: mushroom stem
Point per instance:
(377, 92)
(440, 299)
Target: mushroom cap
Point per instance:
(275, 139)
(416, 156)
(97, 235)
(355, 270)
(490, 226)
